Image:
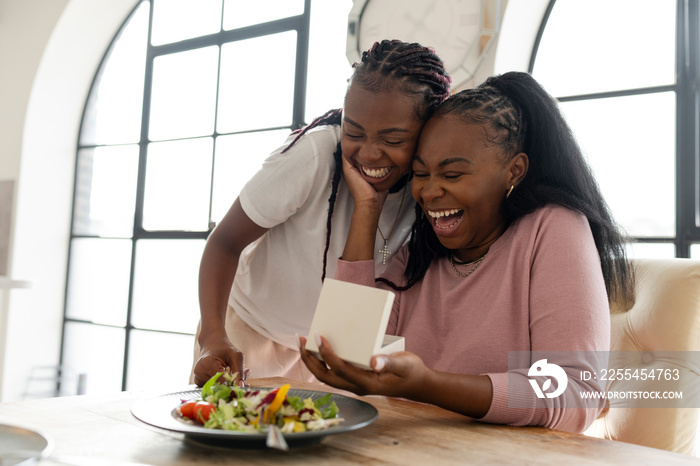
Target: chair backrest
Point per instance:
(660, 330)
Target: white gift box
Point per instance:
(353, 318)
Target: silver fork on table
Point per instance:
(275, 439)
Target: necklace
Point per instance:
(454, 264)
(385, 250)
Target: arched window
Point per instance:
(188, 101)
(626, 74)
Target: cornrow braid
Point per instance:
(415, 71)
(337, 172)
(486, 105)
(331, 117)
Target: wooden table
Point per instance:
(406, 433)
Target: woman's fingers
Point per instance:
(315, 365)
(393, 375)
(360, 189)
(399, 373)
(326, 370)
(218, 359)
(381, 364)
(360, 381)
(352, 176)
(328, 355)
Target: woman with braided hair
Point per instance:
(512, 259)
(263, 265)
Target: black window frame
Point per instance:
(687, 92)
(298, 23)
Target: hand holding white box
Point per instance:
(353, 318)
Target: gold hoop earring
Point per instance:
(509, 191)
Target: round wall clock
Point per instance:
(460, 31)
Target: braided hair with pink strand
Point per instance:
(414, 69)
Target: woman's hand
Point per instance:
(218, 357)
(359, 244)
(400, 374)
(362, 192)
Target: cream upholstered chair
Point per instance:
(661, 329)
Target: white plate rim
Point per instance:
(18, 430)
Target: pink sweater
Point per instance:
(540, 288)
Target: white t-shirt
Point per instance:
(278, 280)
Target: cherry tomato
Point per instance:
(187, 409)
(203, 410)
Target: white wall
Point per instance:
(49, 52)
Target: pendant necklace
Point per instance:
(385, 250)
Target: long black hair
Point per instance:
(414, 69)
(522, 117)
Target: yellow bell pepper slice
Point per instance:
(299, 426)
(276, 403)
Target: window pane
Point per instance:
(178, 181)
(632, 156)
(239, 14)
(183, 99)
(603, 45)
(105, 191)
(159, 361)
(113, 111)
(257, 83)
(97, 352)
(98, 280)
(651, 250)
(238, 158)
(176, 20)
(165, 285)
(695, 251)
(329, 68)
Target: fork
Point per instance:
(275, 439)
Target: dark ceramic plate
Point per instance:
(160, 411)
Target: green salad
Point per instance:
(229, 407)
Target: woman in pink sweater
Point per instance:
(511, 261)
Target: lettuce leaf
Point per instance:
(207, 387)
